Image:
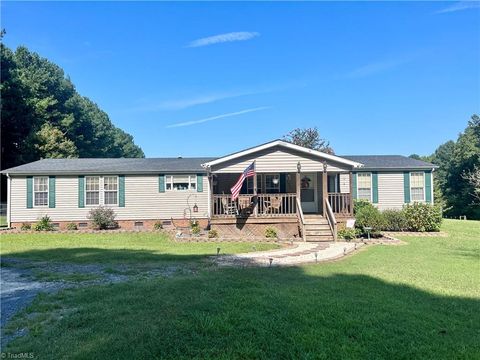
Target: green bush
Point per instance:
(368, 215)
(347, 234)
(270, 232)
(423, 217)
(358, 205)
(26, 227)
(395, 220)
(158, 225)
(44, 224)
(102, 218)
(72, 226)
(212, 234)
(195, 227)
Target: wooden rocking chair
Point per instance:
(273, 205)
(229, 206)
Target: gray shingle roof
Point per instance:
(389, 162)
(114, 166)
(166, 165)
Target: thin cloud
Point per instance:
(217, 117)
(458, 6)
(377, 67)
(223, 38)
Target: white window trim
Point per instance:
(424, 188)
(48, 191)
(190, 176)
(101, 191)
(371, 187)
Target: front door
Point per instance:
(308, 192)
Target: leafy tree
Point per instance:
(473, 178)
(53, 143)
(309, 138)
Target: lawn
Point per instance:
(419, 300)
(114, 248)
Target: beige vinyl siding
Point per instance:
(390, 191)
(143, 201)
(276, 160)
(345, 183)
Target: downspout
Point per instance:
(9, 202)
(210, 181)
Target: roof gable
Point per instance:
(284, 144)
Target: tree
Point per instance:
(52, 143)
(309, 138)
(473, 178)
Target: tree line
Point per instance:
(43, 116)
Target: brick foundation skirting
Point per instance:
(122, 224)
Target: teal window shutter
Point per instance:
(375, 187)
(428, 186)
(199, 182)
(406, 187)
(51, 191)
(283, 183)
(29, 192)
(354, 185)
(81, 192)
(161, 183)
(121, 190)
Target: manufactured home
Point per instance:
(303, 193)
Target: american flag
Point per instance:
(248, 172)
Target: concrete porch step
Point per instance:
(318, 233)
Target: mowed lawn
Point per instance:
(420, 300)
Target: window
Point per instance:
(92, 190)
(364, 186)
(110, 188)
(417, 186)
(40, 191)
(249, 182)
(180, 182)
(272, 183)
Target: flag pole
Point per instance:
(255, 190)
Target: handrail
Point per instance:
(301, 218)
(331, 219)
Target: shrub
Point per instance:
(347, 234)
(102, 218)
(358, 205)
(195, 227)
(212, 234)
(72, 226)
(158, 225)
(270, 232)
(423, 217)
(368, 215)
(395, 220)
(44, 224)
(26, 227)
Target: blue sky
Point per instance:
(206, 79)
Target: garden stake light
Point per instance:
(316, 256)
(271, 260)
(218, 251)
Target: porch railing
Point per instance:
(340, 203)
(332, 222)
(266, 205)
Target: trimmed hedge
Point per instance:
(413, 217)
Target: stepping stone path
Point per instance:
(299, 253)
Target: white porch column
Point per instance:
(9, 200)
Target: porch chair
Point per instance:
(273, 205)
(229, 206)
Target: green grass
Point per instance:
(420, 300)
(113, 248)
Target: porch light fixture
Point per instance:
(325, 166)
(299, 166)
(275, 180)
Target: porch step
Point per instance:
(326, 237)
(318, 233)
(317, 228)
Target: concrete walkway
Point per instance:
(300, 253)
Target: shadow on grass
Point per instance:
(248, 313)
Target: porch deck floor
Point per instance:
(299, 254)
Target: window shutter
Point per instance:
(121, 190)
(375, 187)
(51, 191)
(29, 192)
(161, 183)
(428, 186)
(283, 183)
(354, 185)
(81, 192)
(406, 187)
(199, 182)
